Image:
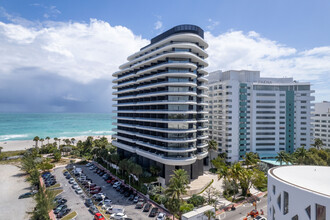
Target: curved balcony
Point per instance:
(169, 54)
(202, 128)
(202, 120)
(186, 37)
(202, 71)
(166, 130)
(158, 102)
(155, 85)
(201, 155)
(156, 76)
(202, 137)
(158, 120)
(161, 50)
(202, 79)
(163, 57)
(202, 95)
(124, 146)
(178, 161)
(202, 145)
(123, 138)
(166, 149)
(151, 94)
(163, 111)
(203, 87)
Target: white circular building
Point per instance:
(299, 193)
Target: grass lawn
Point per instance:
(58, 191)
(54, 186)
(69, 216)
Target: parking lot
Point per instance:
(75, 202)
(118, 200)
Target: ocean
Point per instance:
(27, 126)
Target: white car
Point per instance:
(118, 216)
(136, 199)
(89, 164)
(91, 168)
(71, 181)
(105, 202)
(79, 191)
(116, 184)
(161, 216)
(259, 218)
(75, 186)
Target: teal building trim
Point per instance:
(242, 119)
(289, 123)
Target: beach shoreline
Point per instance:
(26, 144)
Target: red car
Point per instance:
(95, 191)
(98, 216)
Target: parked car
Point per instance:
(59, 208)
(139, 205)
(63, 213)
(89, 164)
(71, 181)
(65, 173)
(79, 191)
(95, 191)
(88, 202)
(61, 201)
(75, 186)
(161, 216)
(98, 216)
(118, 216)
(136, 199)
(131, 197)
(93, 210)
(147, 207)
(153, 212)
(68, 176)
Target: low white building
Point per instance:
(299, 193)
(198, 214)
(321, 122)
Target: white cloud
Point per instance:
(158, 25)
(80, 51)
(212, 24)
(236, 50)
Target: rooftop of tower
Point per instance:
(183, 28)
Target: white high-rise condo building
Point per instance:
(321, 122)
(249, 113)
(160, 103)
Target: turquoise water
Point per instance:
(27, 126)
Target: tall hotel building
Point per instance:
(161, 93)
(321, 122)
(249, 113)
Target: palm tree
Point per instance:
(251, 159)
(178, 184)
(212, 145)
(300, 154)
(42, 141)
(73, 140)
(36, 139)
(283, 156)
(318, 143)
(59, 142)
(47, 138)
(209, 214)
(223, 172)
(154, 170)
(1, 149)
(56, 139)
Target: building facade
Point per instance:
(321, 122)
(249, 113)
(298, 193)
(160, 96)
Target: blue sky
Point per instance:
(57, 52)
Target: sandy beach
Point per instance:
(25, 144)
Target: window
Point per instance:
(320, 212)
(295, 217)
(286, 203)
(279, 201)
(308, 211)
(273, 213)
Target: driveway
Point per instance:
(12, 185)
(75, 202)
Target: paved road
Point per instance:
(117, 198)
(241, 211)
(12, 185)
(75, 202)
